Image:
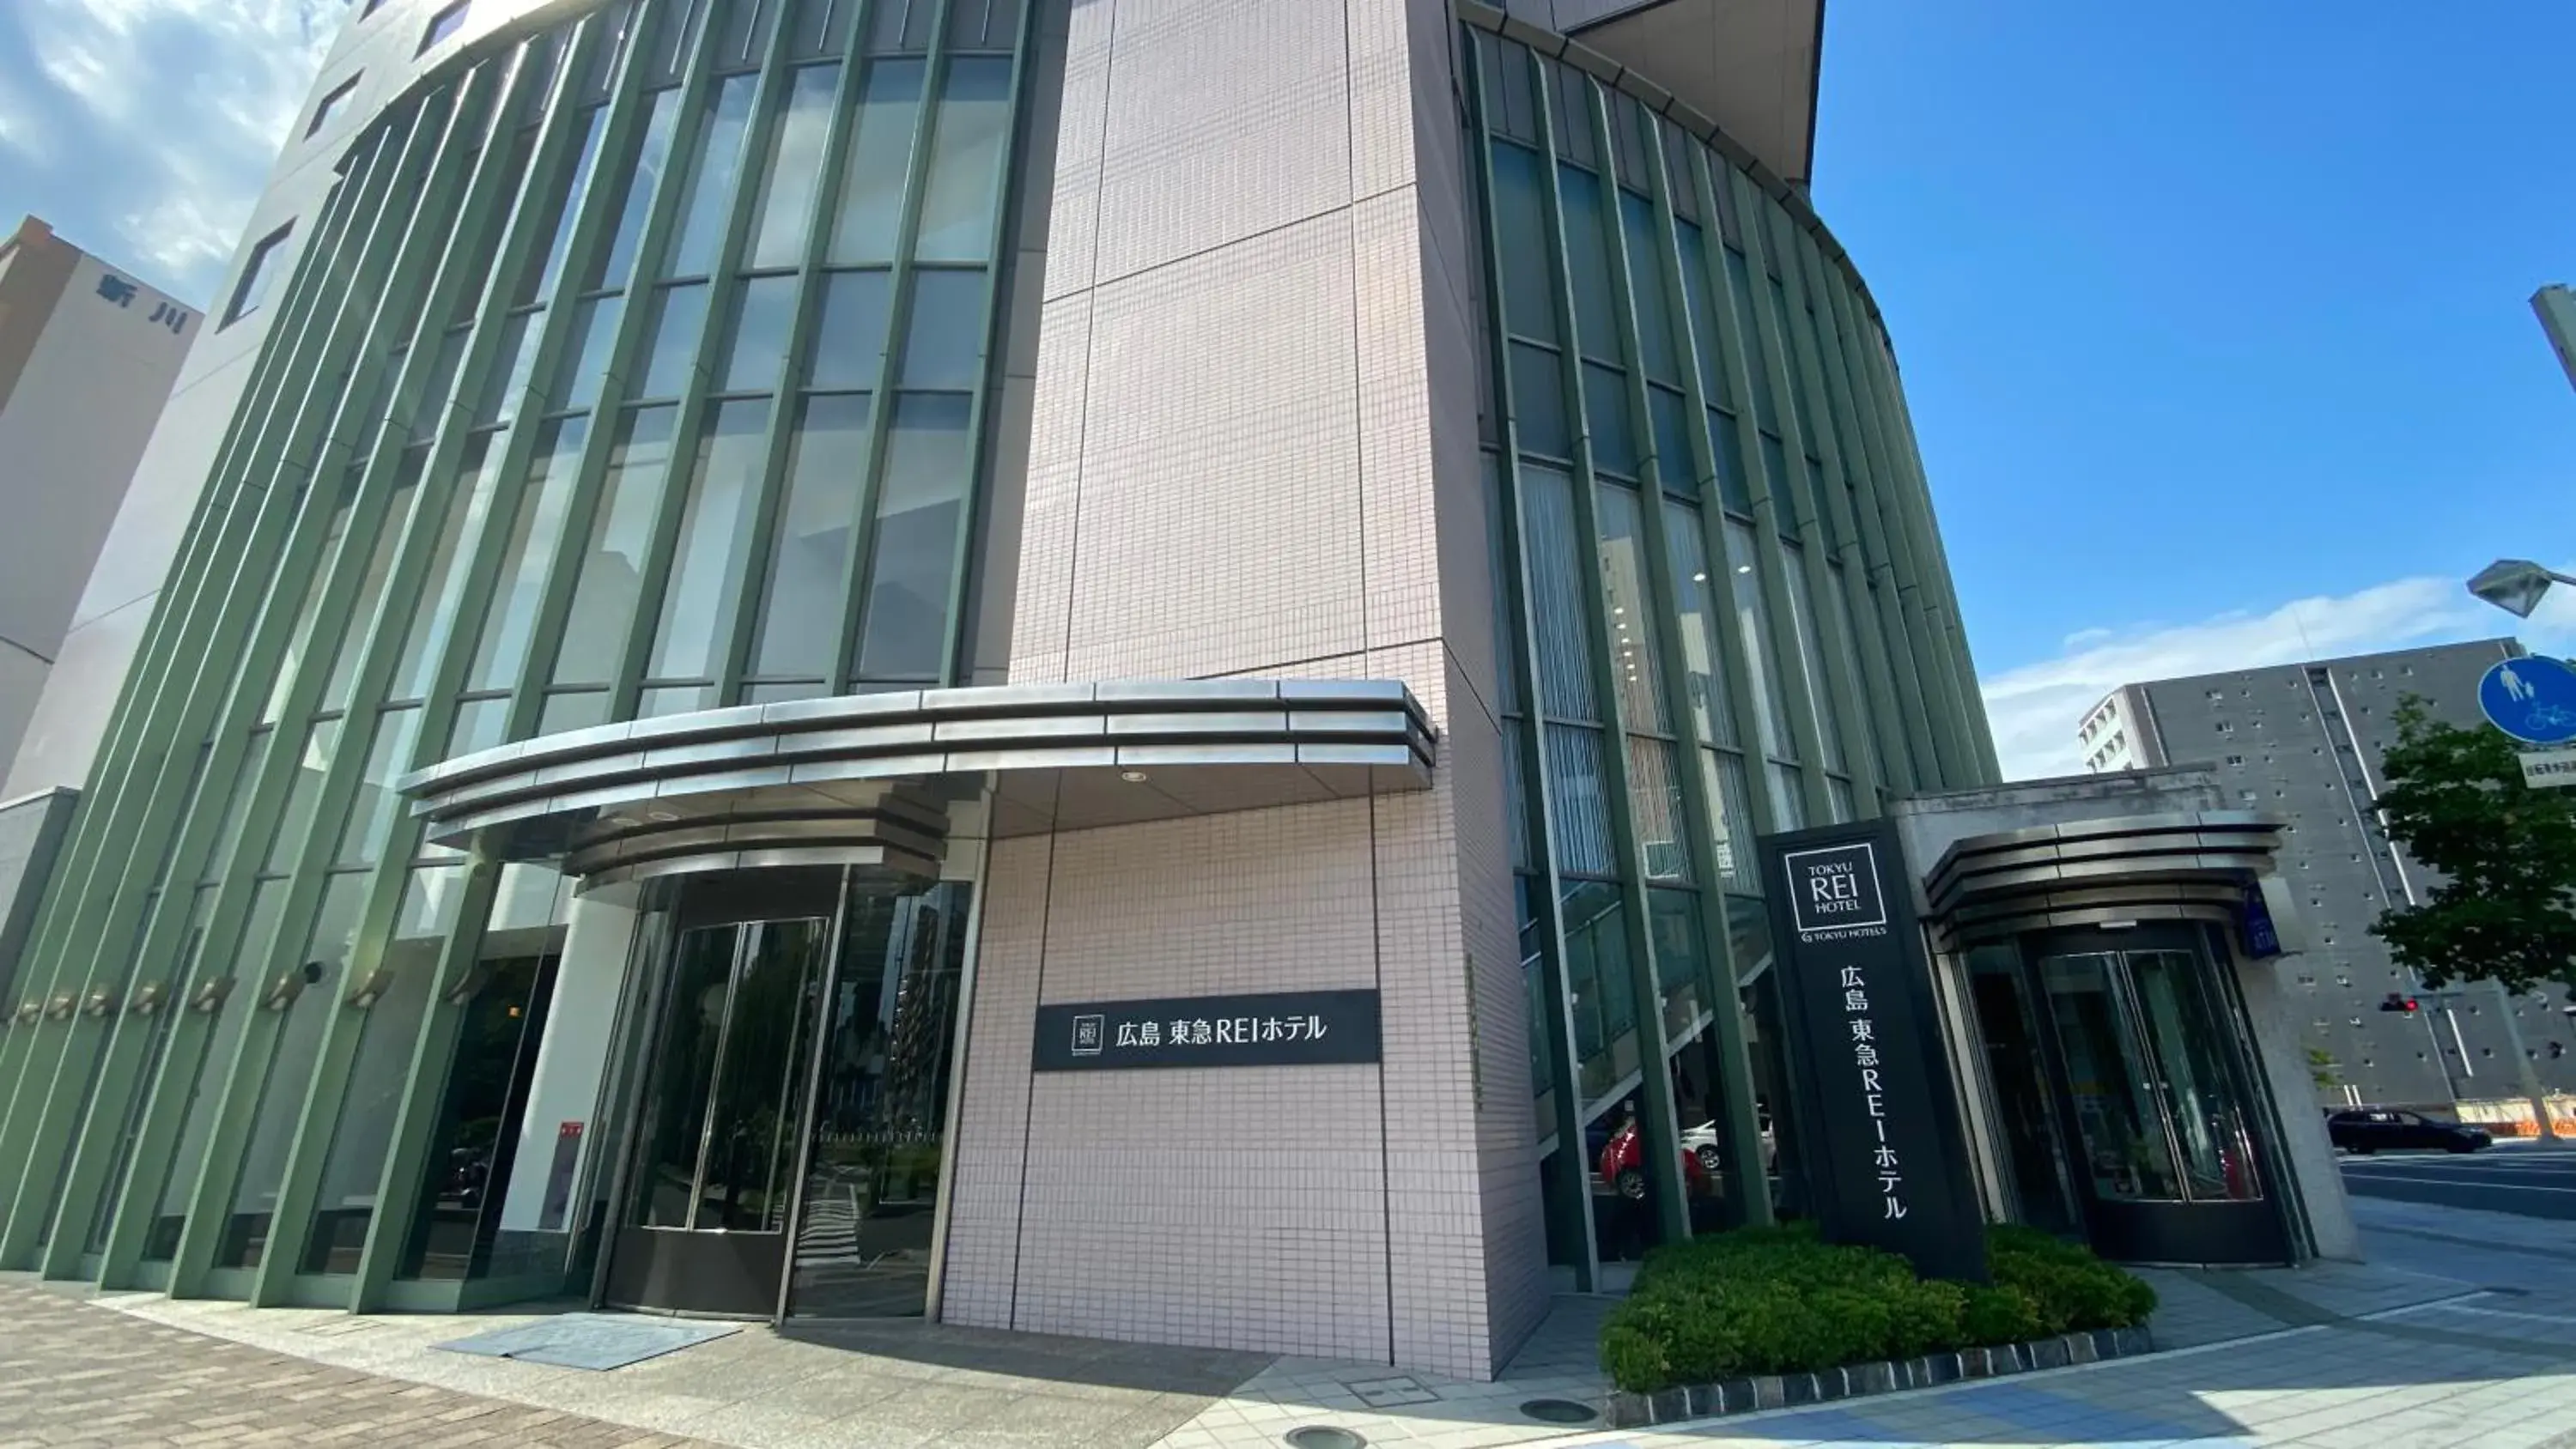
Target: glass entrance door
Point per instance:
(889, 1026)
(2156, 1096)
(704, 1225)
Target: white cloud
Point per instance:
(156, 121)
(2035, 708)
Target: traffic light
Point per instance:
(2399, 1001)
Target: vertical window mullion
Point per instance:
(695, 112)
(1641, 975)
(787, 413)
(999, 261)
(1894, 573)
(392, 478)
(381, 259)
(899, 285)
(502, 458)
(1567, 1173)
(1758, 347)
(1872, 692)
(364, 899)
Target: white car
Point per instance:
(1701, 1142)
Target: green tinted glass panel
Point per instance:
(795, 166)
(704, 590)
(612, 568)
(920, 510)
(965, 183)
(545, 493)
(880, 154)
(801, 609)
(715, 166)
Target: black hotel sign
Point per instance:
(1877, 1123)
(1275, 1029)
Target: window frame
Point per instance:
(251, 288)
(328, 108)
(443, 25)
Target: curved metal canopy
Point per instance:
(866, 779)
(2179, 866)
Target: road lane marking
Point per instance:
(2561, 1320)
(2455, 1182)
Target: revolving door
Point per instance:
(793, 1036)
(2128, 1049)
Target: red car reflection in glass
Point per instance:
(1623, 1165)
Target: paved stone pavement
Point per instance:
(889, 1384)
(2460, 1333)
(73, 1375)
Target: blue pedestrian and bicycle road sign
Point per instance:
(2532, 699)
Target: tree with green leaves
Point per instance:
(2505, 909)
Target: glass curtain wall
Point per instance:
(632, 367)
(1707, 525)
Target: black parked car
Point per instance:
(2368, 1129)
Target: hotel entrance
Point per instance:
(796, 1030)
(2128, 1069)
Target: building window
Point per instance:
(444, 24)
(330, 106)
(258, 275)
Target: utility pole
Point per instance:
(2529, 1075)
(2522, 1061)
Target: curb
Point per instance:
(1623, 1410)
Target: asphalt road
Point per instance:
(2501, 1180)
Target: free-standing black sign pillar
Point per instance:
(1887, 1165)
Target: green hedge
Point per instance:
(1776, 1300)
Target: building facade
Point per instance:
(2307, 743)
(1093, 667)
(87, 356)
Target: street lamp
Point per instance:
(2515, 585)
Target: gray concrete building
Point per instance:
(2306, 743)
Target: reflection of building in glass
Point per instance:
(736, 554)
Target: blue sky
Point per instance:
(2214, 321)
(142, 129)
(2212, 316)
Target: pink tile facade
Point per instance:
(1253, 452)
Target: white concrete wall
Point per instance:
(70, 433)
(590, 980)
(2284, 1065)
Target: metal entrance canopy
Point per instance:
(865, 779)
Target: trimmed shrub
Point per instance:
(1999, 1314)
(1778, 1300)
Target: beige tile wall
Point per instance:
(1253, 452)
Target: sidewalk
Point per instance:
(2461, 1330)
